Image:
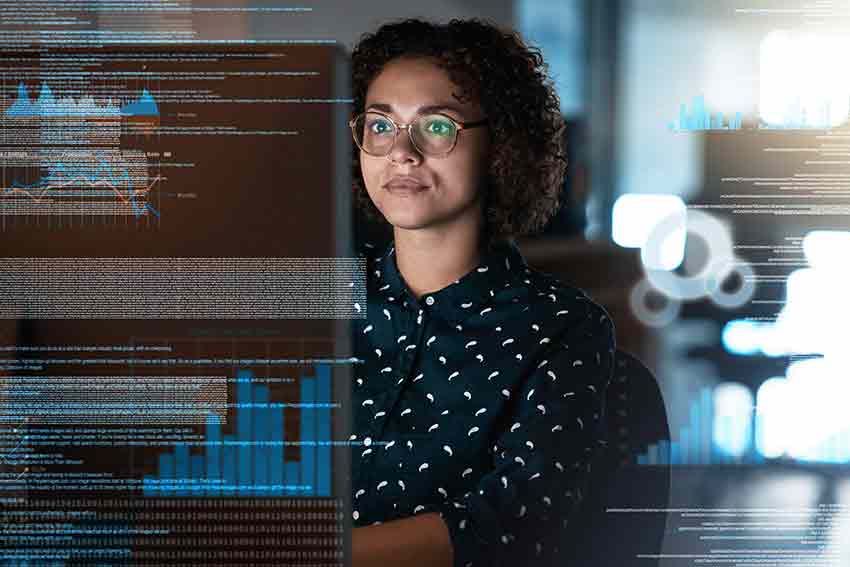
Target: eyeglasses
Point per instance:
(434, 135)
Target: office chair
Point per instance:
(636, 417)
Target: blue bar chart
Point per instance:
(702, 440)
(249, 462)
(795, 116)
(700, 118)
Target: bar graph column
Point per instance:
(308, 436)
(166, 470)
(244, 432)
(323, 435)
(197, 470)
(276, 453)
(181, 469)
(262, 435)
(213, 472)
(228, 458)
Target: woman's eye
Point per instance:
(440, 127)
(380, 126)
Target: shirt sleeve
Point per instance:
(541, 462)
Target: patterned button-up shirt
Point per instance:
(482, 401)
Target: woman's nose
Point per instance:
(403, 149)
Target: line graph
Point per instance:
(130, 198)
(102, 183)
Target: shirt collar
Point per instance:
(501, 266)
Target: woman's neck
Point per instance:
(429, 260)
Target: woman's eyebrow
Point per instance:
(383, 107)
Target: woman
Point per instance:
(479, 405)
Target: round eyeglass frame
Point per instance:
(398, 127)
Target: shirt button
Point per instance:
(429, 300)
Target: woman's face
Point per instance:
(436, 192)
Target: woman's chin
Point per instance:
(408, 224)
(407, 221)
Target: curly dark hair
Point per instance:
(509, 79)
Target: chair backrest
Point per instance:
(636, 417)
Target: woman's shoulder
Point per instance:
(580, 336)
(566, 309)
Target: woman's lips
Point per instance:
(405, 187)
